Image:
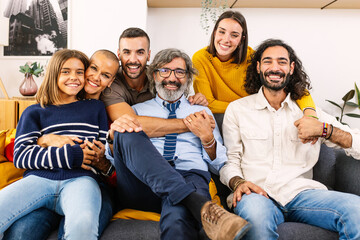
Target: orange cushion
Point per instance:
(151, 216)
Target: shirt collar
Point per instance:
(262, 103)
(161, 102)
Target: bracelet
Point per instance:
(210, 142)
(309, 108)
(238, 183)
(109, 172)
(312, 116)
(211, 145)
(332, 129)
(324, 132)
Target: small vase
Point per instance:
(28, 86)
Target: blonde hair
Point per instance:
(48, 93)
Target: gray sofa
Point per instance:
(334, 169)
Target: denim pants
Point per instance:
(79, 199)
(147, 182)
(335, 211)
(45, 221)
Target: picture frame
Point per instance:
(37, 28)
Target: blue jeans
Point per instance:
(45, 221)
(68, 197)
(335, 211)
(147, 182)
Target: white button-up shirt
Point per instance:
(263, 147)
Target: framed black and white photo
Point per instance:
(36, 27)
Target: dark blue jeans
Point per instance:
(39, 224)
(147, 182)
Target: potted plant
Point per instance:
(28, 86)
(348, 96)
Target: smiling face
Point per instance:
(99, 75)
(227, 38)
(275, 68)
(71, 80)
(171, 88)
(133, 54)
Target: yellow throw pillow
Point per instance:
(10, 135)
(136, 214)
(2, 141)
(9, 174)
(2, 145)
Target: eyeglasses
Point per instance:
(166, 72)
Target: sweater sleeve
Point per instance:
(29, 155)
(306, 102)
(202, 84)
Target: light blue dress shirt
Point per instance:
(189, 152)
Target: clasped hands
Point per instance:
(93, 152)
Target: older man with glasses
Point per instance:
(170, 174)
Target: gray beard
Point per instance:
(169, 95)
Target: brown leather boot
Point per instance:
(220, 224)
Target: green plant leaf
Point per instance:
(351, 104)
(349, 95)
(358, 94)
(354, 115)
(334, 103)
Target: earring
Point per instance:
(107, 91)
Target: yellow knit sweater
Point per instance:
(223, 82)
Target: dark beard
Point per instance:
(142, 69)
(274, 87)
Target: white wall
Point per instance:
(327, 42)
(93, 25)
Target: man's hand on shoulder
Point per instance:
(126, 123)
(198, 99)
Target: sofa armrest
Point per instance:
(347, 170)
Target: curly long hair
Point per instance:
(299, 83)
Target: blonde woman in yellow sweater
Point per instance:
(222, 65)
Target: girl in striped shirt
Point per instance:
(58, 177)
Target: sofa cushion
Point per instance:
(2, 145)
(347, 173)
(302, 231)
(9, 173)
(324, 170)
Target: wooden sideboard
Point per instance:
(11, 110)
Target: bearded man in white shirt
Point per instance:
(269, 165)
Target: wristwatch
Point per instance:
(108, 139)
